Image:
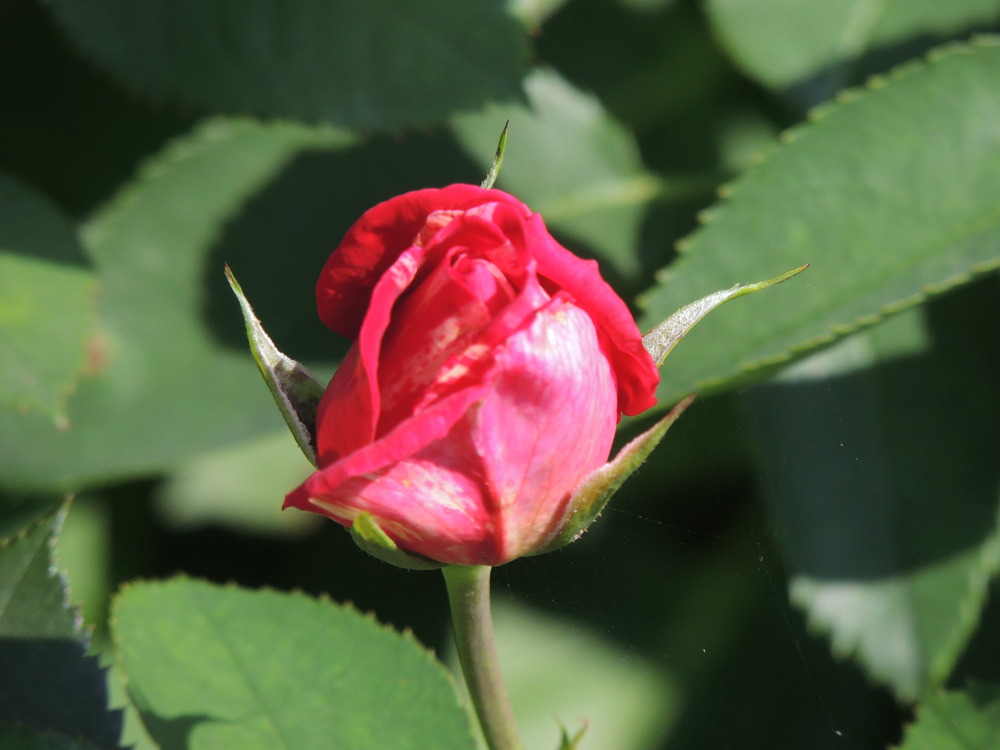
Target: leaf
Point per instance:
(783, 43)
(49, 683)
(890, 195)
(165, 391)
(240, 487)
(957, 720)
(881, 475)
(355, 63)
(218, 667)
(18, 512)
(566, 678)
(47, 304)
(24, 738)
(570, 161)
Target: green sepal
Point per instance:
(491, 176)
(571, 743)
(368, 535)
(597, 489)
(295, 391)
(661, 340)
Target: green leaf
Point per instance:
(165, 390)
(570, 161)
(47, 304)
(296, 393)
(566, 678)
(48, 681)
(240, 487)
(222, 667)
(957, 720)
(890, 195)
(354, 63)
(24, 738)
(18, 512)
(881, 474)
(783, 43)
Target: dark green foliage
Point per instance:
(804, 562)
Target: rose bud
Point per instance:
(489, 371)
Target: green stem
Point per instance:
(469, 596)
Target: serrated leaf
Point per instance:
(957, 720)
(217, 667)
(25, 738)
(565, 678)
(165, 390)
(355, 63)
(570, 161)
(889, 195)
(48, 681)
(783, 43)
(18, 512)
(881, 476)
(47, 304)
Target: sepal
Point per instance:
(571, 743)
(661, 340)
(597, 489)
(295, 391)
(491, 176)
(368, 535)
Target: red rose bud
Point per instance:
(489, 371)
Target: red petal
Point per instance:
(416, 483)
(548, 421)
(372, 245)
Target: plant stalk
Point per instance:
(469, 596)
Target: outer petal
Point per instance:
(441, 317)
(549, 420)
(558, 268)
(374, 242)
(416, 482)
(353, 394)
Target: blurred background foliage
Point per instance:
(805, 563)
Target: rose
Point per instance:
(489, 371)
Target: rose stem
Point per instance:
(469, 596)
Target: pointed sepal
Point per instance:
(295, 391)
(370, 537)
(491, 176)
(661, 340)
(571, 743)
(597, 489)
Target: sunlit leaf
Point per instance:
(47, 304)
(890, 195)
(164, 390)
(816, 43)
(217, 667)
(958, 720)
(570, 161)
(355, 63)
